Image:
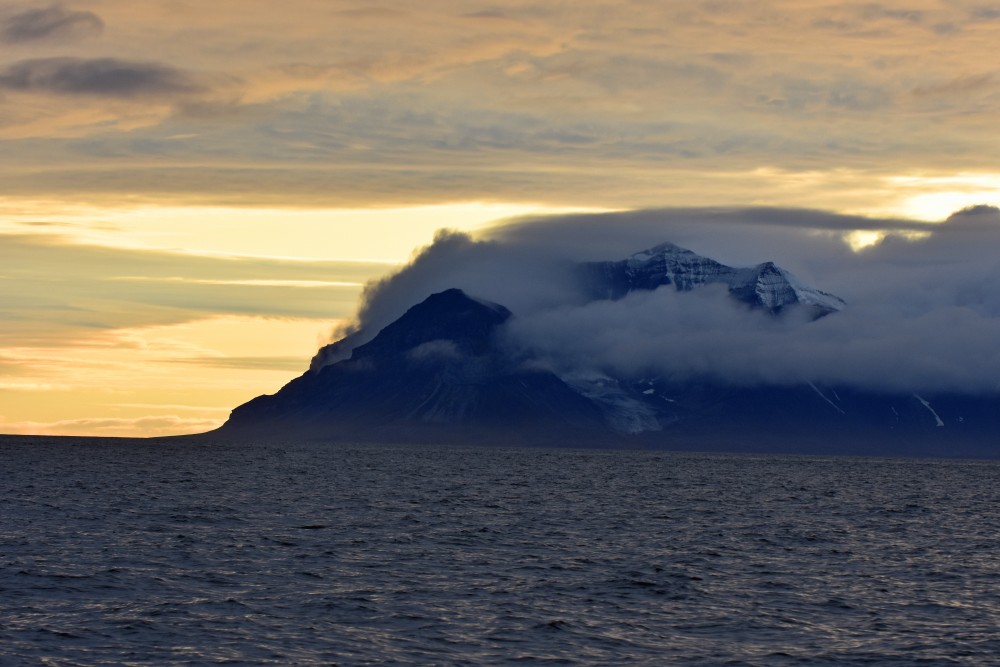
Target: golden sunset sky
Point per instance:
(192, 194)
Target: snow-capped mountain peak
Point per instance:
(663, 249)
(765, 285)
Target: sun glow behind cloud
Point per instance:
(934, 198)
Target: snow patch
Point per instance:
(835, 406)
(434, 351)
(623, 412)
(928, 406)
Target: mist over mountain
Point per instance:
(922, 314)
(524, 336)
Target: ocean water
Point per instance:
(123, 552)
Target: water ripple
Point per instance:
(122, 553)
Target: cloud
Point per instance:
(957, 86)
(54, 292)
(151, 426)
(51, 23)
(27, 385)
(639, 104)
(890, 347)
(540, 251)
(986, 213)
(246, 363)
(102, 77)
(434, 352)
(984, 13)
(923, 308)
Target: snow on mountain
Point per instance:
(765, 286)
(623, 410)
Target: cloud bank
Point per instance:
(598, 103)
(923, 308)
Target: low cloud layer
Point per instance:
(923, 308)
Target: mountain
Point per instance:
(810, 418)
(445, 372)
(435, 373)
(766, 285)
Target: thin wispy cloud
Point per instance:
(250, 363)
(50, 24)
(114, 426)
(66, 292)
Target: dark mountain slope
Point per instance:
(434, 373)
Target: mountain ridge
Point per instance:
(765, 285)
(443, 372)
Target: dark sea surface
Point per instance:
(124, 552)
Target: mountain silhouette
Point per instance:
(444, 372)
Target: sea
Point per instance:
(129, 552)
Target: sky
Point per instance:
(192, 195)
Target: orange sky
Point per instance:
(194, 193)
